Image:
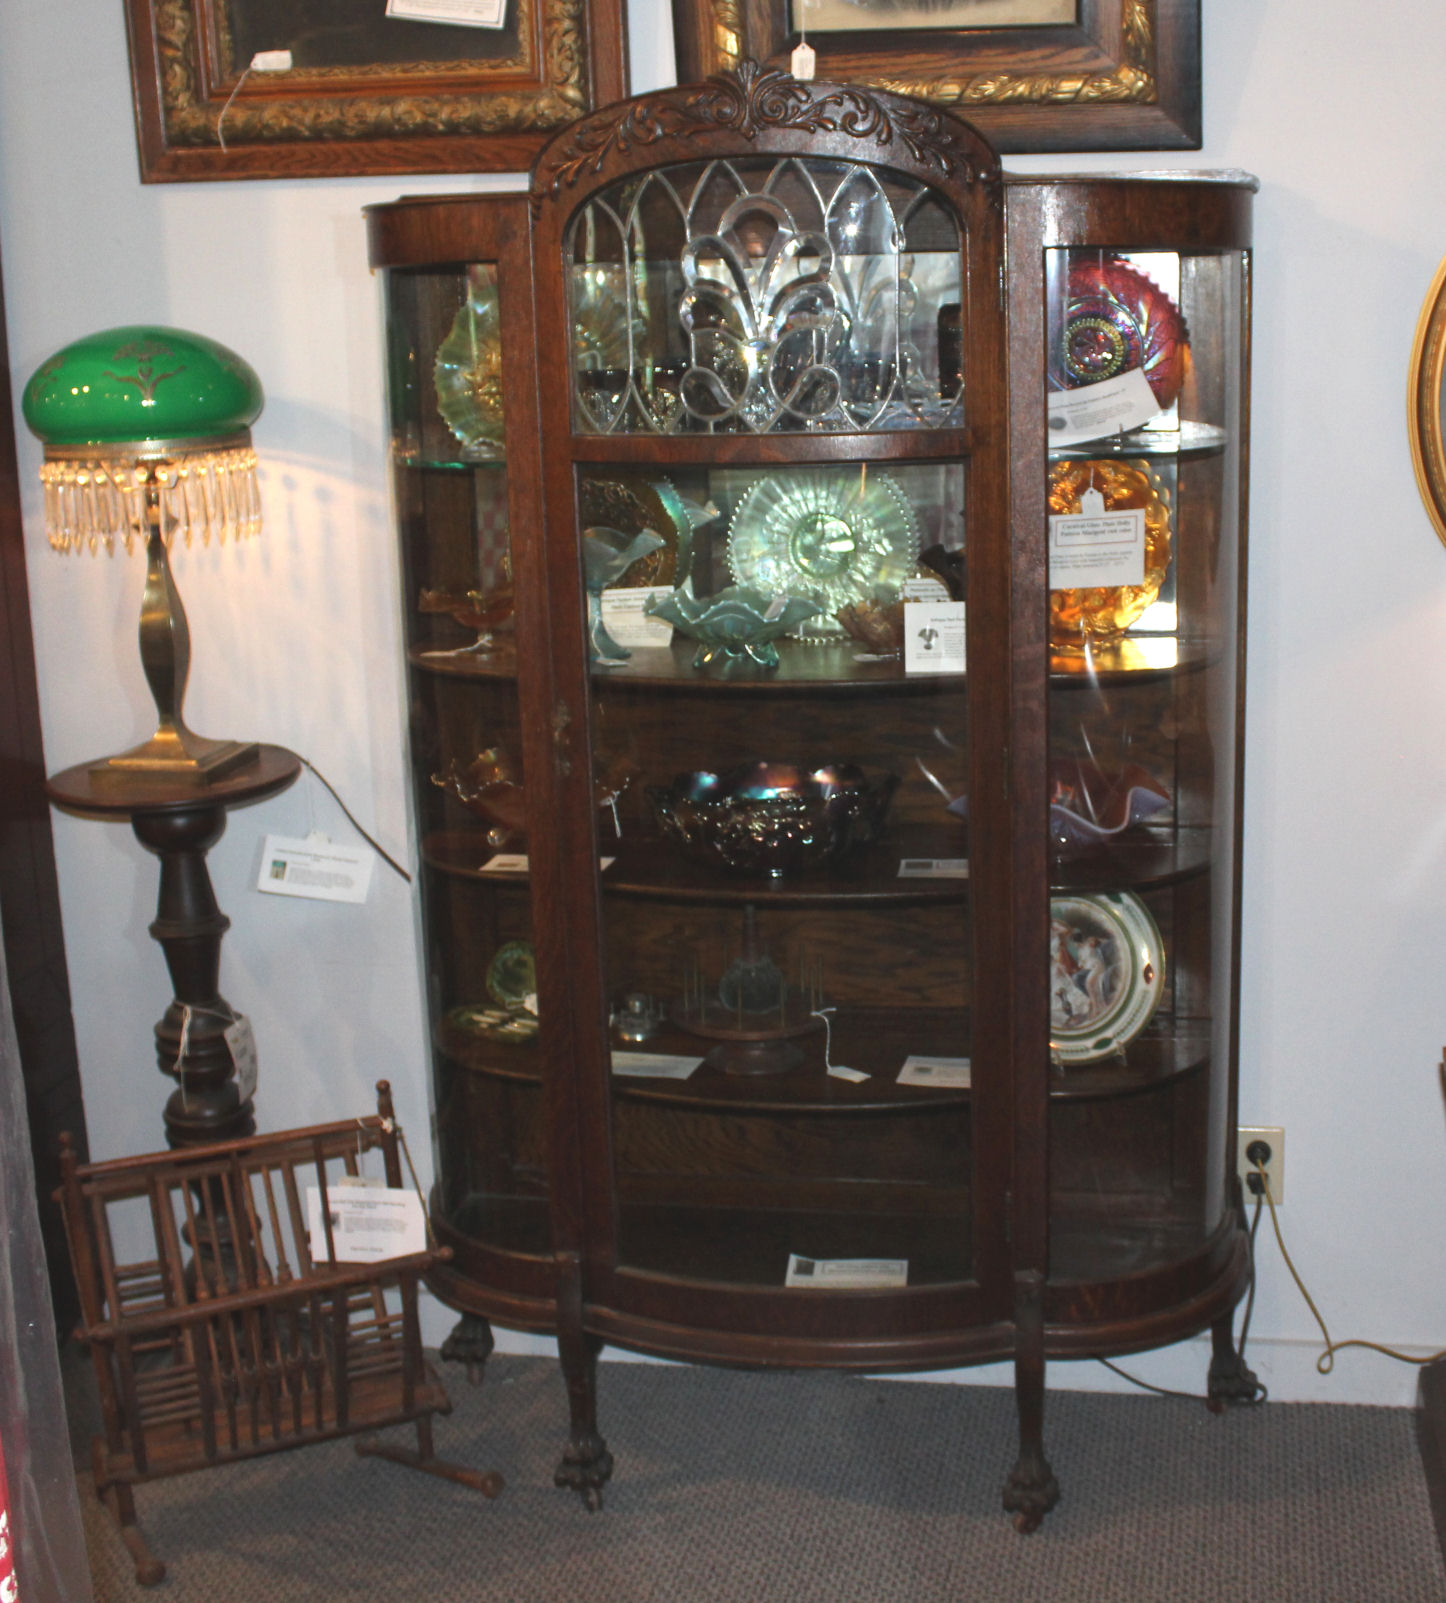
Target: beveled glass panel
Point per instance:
(764, 295)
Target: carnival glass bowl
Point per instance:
(736, 628)
(772, 818)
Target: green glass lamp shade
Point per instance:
(141, 383)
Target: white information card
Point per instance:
(1113, 406)
(316, 868)
(460, 13)
(1092, 547)
(368, 1223)
(857, 1274)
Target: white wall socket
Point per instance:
(1274, 1138)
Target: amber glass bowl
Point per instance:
(1100, 616)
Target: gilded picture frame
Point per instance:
(364, 94)
(1425, 413)
(1120, 75)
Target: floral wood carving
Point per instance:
(750, 101)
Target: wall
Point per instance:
(1344, 1013)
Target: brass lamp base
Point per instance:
(171, 760)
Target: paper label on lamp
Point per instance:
(315, 868)
(919, 1069)
(1096, 548)
(624, 619)
(1113, 406)
(241, 1041)
(856, 1274)
(367, 1223)
(460, 13)
(934, 637)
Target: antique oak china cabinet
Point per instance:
(822, 566)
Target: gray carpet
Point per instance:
(803, 1488)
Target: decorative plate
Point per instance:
(633, 504)
(468, 368)
(1117, 319)
(834, 535)
(1107, 974)
(512, 976)
(1101, 614)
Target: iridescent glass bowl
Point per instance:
(736, 628)
(772, 818)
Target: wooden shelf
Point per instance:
(750, 1246)
(660, 452)
(822, 668)
(1136, 658)
(1149, 1062)
(1138, 860)
(1194, 440)
(499, 666)
(867, 876)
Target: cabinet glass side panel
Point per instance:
(469, 794)
(783, 817)
(1144, 424)
(764, 295)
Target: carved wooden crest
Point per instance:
(754, 101)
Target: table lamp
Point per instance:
(147, 434)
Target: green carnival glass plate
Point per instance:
(835, 536)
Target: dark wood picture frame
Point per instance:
(1124, 76)
(362, 108)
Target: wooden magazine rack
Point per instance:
(225, 1338)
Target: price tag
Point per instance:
(315, 868)
(920, 1070)
(934, 637)
(1093, 548)
(367, 1223)
(846, 1273)
(624, 619)
(460, 13)
(1113, 406)
(242, 1042)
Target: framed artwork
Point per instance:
(331, 88)
(1426, 414)
(1031, 75)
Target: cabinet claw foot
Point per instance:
(470, 1343)
(1029, 1494)
(1230, 1380)
(585, 1468)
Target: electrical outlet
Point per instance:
(1273, 1137)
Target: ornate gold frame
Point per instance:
(1424, 420)
(1124, 76)
(484, 115)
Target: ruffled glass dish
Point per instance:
(736, 628)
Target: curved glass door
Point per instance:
(1144, 434)
(447, 410)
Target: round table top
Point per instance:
(120, 795)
